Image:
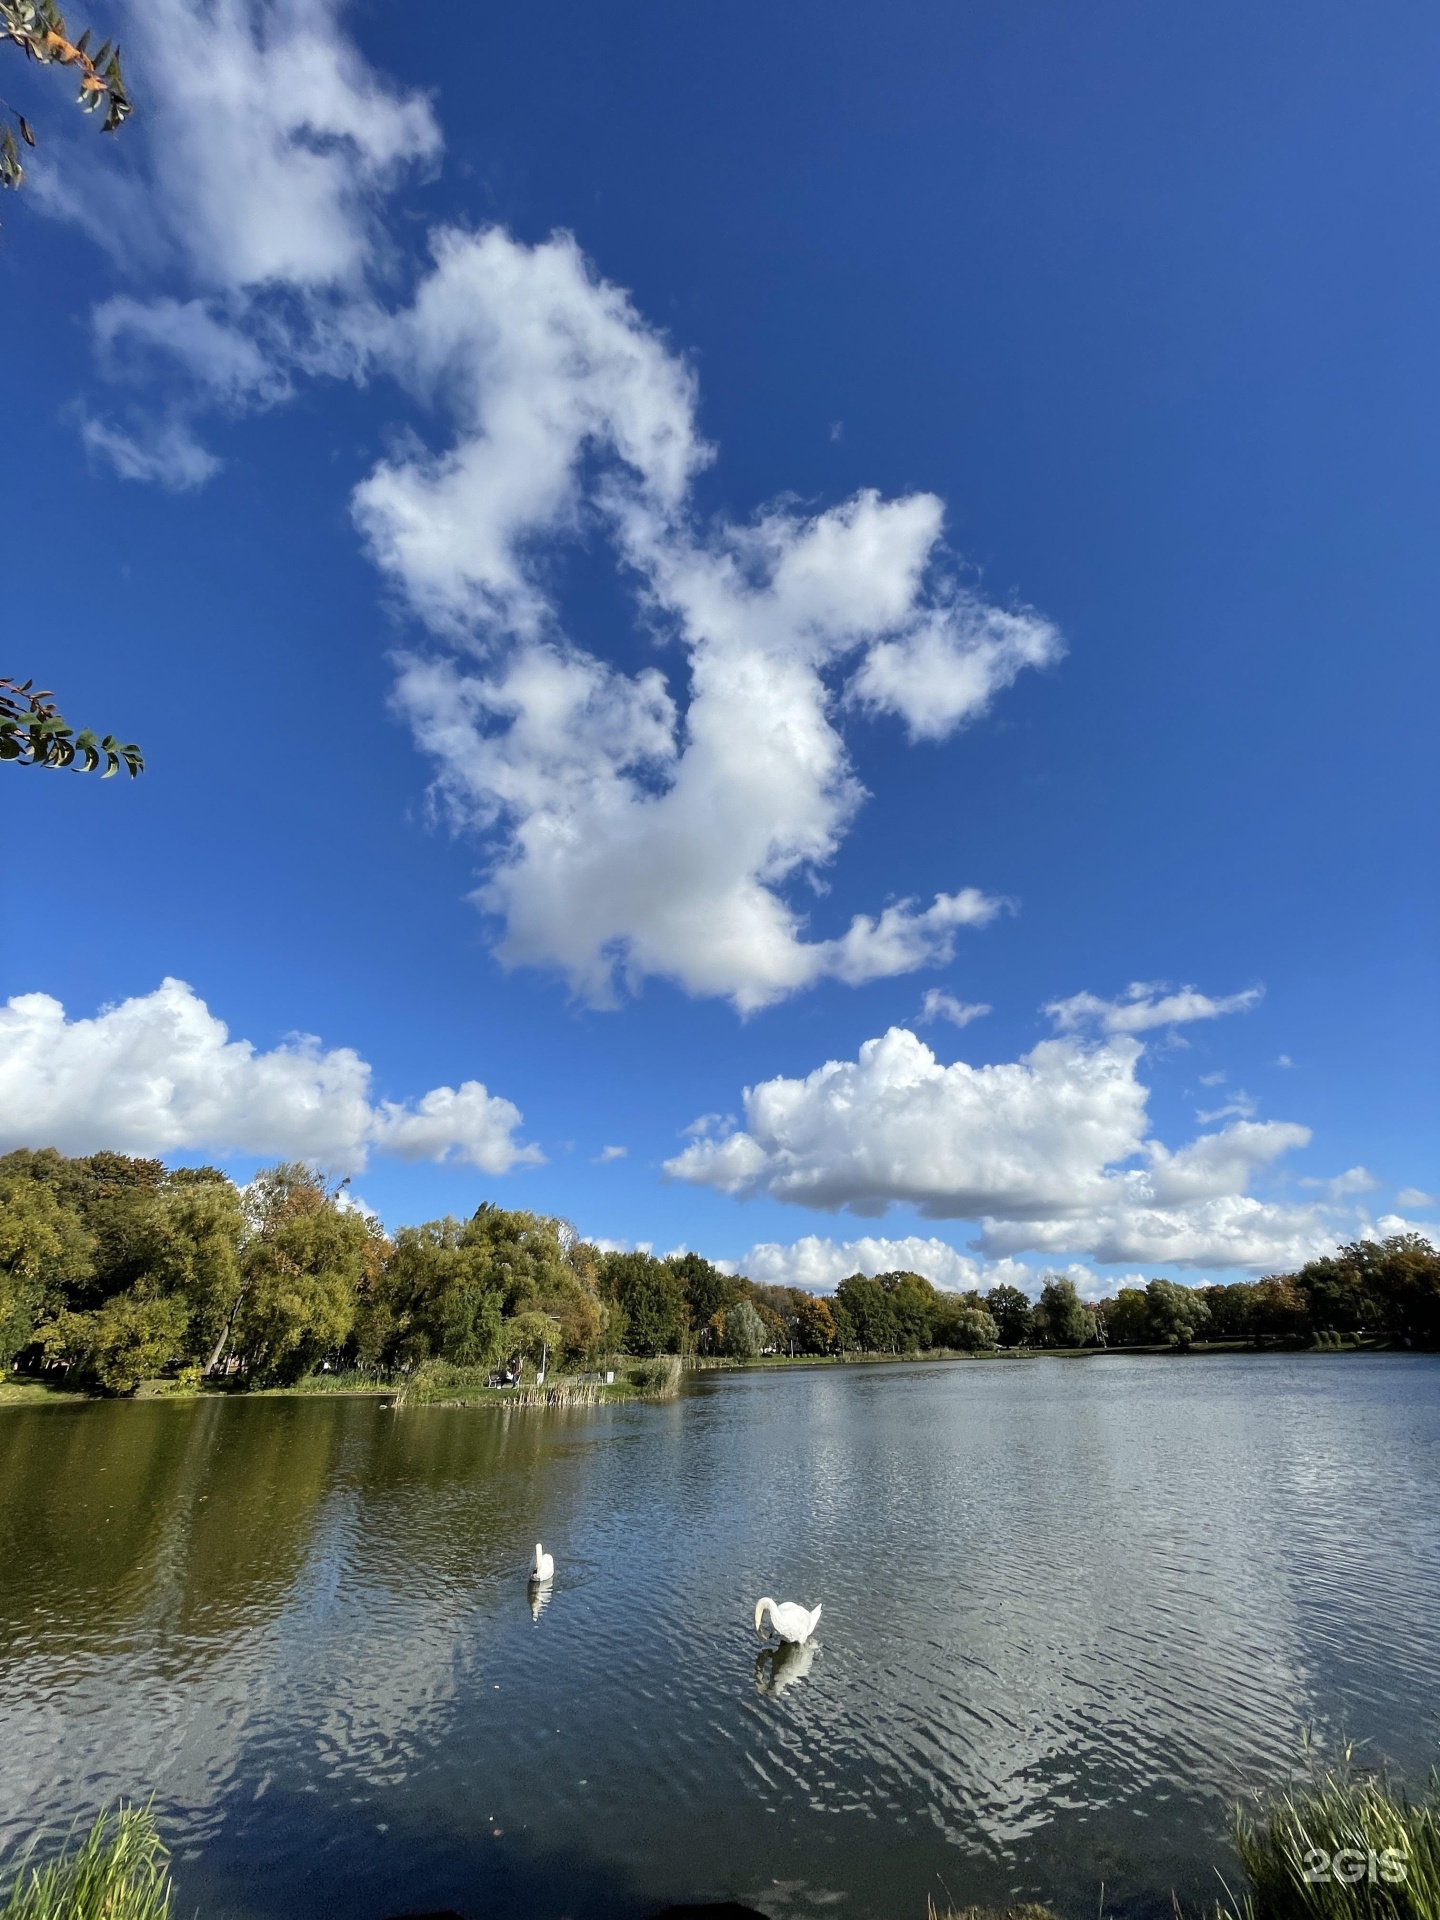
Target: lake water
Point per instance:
(1071, 1609)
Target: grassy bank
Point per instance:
(443, 1384)
(1343, 1845)
(119, 1871)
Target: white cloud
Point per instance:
(607, 1154)
(944, 1006)
(633, 836)
(1216, 1079)
(1231, 1231)
(164, 453)
(1284, 1060)
(223, 360)
(270, 139)
(1025, 1139)
(1390, 1224)
(1147, 1004)
(1413, 1197)
(1050, 1154)
(654, 823)
(947, 668)
(159, 1074)
(1354, 1180)
(1240, 1106)
(256, 171)
(819, 1265)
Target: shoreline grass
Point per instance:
(119, 1871)
(1344, 1844)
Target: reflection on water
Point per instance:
(1070, 1610)
(539, 1593)
(777, 1668)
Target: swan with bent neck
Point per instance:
(542, 1568)
(789, 1621)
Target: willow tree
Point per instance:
(33, 732)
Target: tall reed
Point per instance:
(119, 1871)
(1345, 1845)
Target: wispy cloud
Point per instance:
(1148, 1004)
(1344, 1186)
(944, 1006)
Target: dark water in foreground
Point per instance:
(1070, 1609)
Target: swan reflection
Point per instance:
(539, 1593)
(777, 1668)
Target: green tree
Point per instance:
(1066, 1321)
(744, 1331)
(866, 1308)
(1231, 1310)
(133, 1337)
(651, 1295)
(1390, 1285)
(913, 1305)
(1127, 1318)
(815, 1330)
(1278, 1309)
(43, 1251)
(196, 1236)
(963, 1324)
(303, 1268)
(1013, 1315)
(1176, 1314)
(707, 1290)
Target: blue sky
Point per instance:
(979, 449)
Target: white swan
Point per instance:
(789, 1620)
(543, 1568)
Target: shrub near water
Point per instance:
(1344, 1847)
(119, 1871)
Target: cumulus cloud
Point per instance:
(944, 1006)
(607, 1154)
(649, 823)
(1051, 1154)
(819, 1264)
(1413, 1197)
(635, 836)
(1390, 1224)
(159, 1074)
(1146, 1004)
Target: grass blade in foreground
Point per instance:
(1345, 1846)
(119, 1871)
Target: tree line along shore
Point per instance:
(116, 1271)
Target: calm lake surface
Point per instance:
(1071, 1609)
